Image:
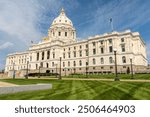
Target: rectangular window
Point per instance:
(101, 42)
(122, 39)
(110, 49)
(102, 50)
(42, 55)
(110, 41)
(74, 54)
(53, 55)
(68, 54)
(59, 33)
(64, 55)
(80, 47)
(68, 63)
(86, 45)
(93, 43)
(63, 64)
(94, 51)
(37, 56)
(52, 64)
(30, 58)
(87, 52)
(65, 34)
(123, 48)
(48, 54)
(80, 52)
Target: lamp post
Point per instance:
(86, 69)
(27, 69)
(56, 70)
(87, 61)
(65, 71)
(116, 74)
(14, 70)
(131, 68)
(60, 70)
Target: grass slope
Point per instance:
(111, 76)
(77, 90)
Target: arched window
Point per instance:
(94, 62)
(123, 59)
(102, 60)
(74, 63)
(110, 60)
(80, 63)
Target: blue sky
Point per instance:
(24, 20)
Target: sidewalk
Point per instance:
(5, 84)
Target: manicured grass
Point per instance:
(77, 90)
(110, 76)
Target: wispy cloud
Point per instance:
(6, 45)
(19, 18)
(126, 14)
(24, 20)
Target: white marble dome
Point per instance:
(62, 19)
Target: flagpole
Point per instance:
(111, 23)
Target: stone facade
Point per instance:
(93, 55)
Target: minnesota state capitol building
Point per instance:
(93, 55)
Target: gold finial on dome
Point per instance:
(62, 11)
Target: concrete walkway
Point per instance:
(5, 84)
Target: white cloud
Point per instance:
(19, 18)
(23, 20)
(6, 45)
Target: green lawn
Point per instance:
(77, 90)
(110, 76)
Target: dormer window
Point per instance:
(59, 20)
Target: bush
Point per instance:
(42, 74)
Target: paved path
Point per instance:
(5, 84)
